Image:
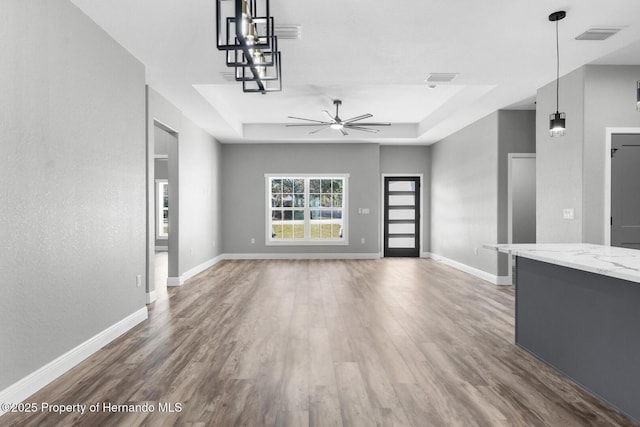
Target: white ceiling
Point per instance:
(374, 56)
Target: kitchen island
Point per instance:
(578, 310)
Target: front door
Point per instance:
(402, 216)
(625, 194)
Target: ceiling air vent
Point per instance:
(435, 79)
(598, 33)
(288, 32)
(441, 77)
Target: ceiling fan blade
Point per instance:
(372, 124)
(363, 129)
(290, 125)
(344, 132)
(308, 120)
(353, 119)
(329, 115)
(319, 129)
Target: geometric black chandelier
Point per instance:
(246, 33)
(557, 120)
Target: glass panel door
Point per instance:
(402, 216)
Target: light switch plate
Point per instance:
(568, 214)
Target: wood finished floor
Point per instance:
(404, 342)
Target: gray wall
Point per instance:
(72, 167)
(194, 168)
(161, 169)
(609, 101)
(200, 219)
(464, 195)
(571, 169)
(412, 159)
(243, 211)
(559, 171)
(516, 134)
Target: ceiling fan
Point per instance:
(338, 124)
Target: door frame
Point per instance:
(607, 177)
(420, 223)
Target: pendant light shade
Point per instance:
(557, 124)
(557, 120)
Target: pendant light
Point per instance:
(246, 32)
(557, 120)
(638, 96)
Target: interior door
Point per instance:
(402, 216)
(625, 192)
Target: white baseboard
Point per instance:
(33, 382)
(151, 297)
(491, 278)
(372, 255)
(179, 281)
(175, 281)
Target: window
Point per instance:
(306, 209)
(162, 198)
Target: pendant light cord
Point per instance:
(557, 70)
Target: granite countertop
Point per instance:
(610, 261)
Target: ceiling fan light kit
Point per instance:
(338, 124)
(557, 120)
(246, 33)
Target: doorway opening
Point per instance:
(162, 254)
(402, 215)
(521, 202)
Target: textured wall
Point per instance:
(464, 195)
(194, 182)
(571, 169)
(243, 193)
(559, 162)
(200, 219)
(516, 134)
(609, 101)
(72, 168)
(412, 160)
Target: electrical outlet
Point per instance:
(362, 240)
(138, 280)
(253, 240)
(568, 214)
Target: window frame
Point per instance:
(160, 235)
(307, 241)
